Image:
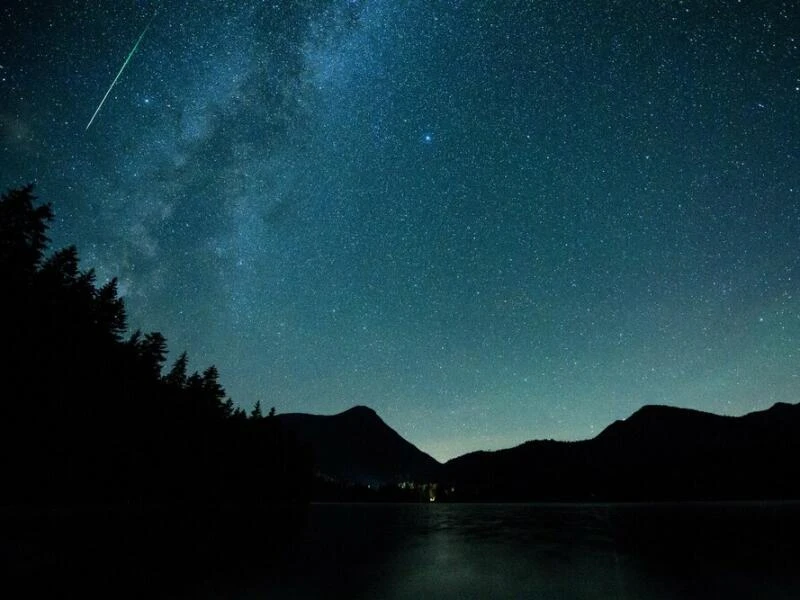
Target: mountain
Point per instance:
(356, 446)
(658, 453)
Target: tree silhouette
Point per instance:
(23, 233)
(256, 412)
(109, 311)
(153, 353)
(86, 414)
(176, 378)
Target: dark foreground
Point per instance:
(658, 551)
(129, 552)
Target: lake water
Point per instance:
(399, 551)
(539, 551)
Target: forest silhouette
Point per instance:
(88, 414)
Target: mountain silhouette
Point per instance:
(658, 453)
(356, 446)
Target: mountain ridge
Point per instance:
(357, 446)
(659, 452)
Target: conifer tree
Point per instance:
(176, 377)
(256, 412)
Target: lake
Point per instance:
(399, 551)
(543, 551)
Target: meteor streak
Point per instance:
(121, 69)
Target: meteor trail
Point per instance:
(121, 69)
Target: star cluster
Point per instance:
(490, 222)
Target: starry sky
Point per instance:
(490, 221)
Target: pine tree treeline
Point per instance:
(87, 415)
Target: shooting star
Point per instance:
(121, 69)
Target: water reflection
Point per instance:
(382, 551)
(536, 551)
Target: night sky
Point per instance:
(490, 221)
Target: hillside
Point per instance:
(658, 453)
(358, 447)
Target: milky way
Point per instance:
(489, 221)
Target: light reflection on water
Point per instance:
(404, 551)
(540, 551)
